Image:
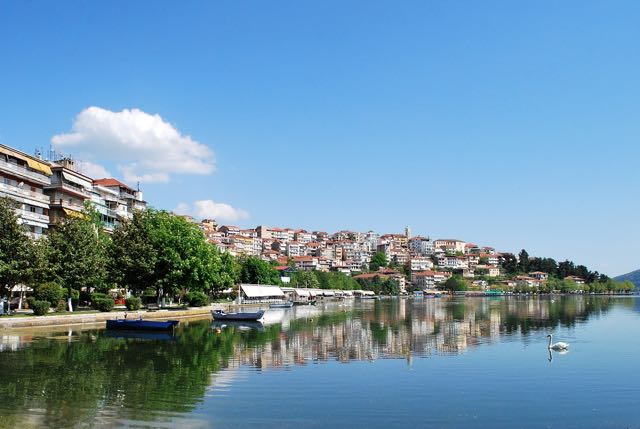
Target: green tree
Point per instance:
(379, 259)
(305, 279)
(132, 255)
(256, 271)
(523, 261)
(455, 283)
(20, 258)
(78, 254)
(163, 251)
(509, 263)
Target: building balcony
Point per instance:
(64, 187)
(58, 202)
(31, 216)
(24, 172)
(18, 191)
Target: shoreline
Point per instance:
(70, 319)
(90, 319)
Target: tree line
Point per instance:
(155, 254)
(524, 264)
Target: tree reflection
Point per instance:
(71, 380)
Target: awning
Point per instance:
(13, 153)
(260, 291)
(303, 292)
(87, 184)
(73, 213)
(39, 166)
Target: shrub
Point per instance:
(40, 308)
(197, 299)
(50, 292)
(62, 306)
(104, 304)
(133, 303)
(98, 295)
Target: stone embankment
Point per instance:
(71, 319)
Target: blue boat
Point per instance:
(221, 315)
(141, 325)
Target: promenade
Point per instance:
(74, 319)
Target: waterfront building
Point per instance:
(68, 190)
(539, 275)
(22, 179)
(576, 279)
(119, 197)
(261, 293)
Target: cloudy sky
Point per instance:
(501, 123)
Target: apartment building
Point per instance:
(22, 179)
(119, 197)
(68, 190)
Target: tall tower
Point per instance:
(407, 231)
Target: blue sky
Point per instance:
(509, 124)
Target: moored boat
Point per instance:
(222, 315)
(287, 304)
(142, 325)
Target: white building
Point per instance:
(421, 245)
(22, 179)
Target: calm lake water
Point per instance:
(397, 363)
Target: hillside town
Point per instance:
(49, 190)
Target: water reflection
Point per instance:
(67, 378)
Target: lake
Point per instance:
(390, 363)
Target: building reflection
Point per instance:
(407, 328)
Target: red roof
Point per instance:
(111, 182)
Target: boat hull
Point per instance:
(221, 315)
(141, 325)
(282, 305)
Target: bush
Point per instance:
(104, 304)
(133, 303)
(40, 308)
(62, 306)
(50, 292)
(197, 299)
(98, 295)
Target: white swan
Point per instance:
(557, 346)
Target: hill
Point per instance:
(633, 277)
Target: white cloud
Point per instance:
(209, 209)
(182, 209)
(145, 147)
(95, 171)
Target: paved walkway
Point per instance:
(92, 318)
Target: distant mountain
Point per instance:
(633, 277)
